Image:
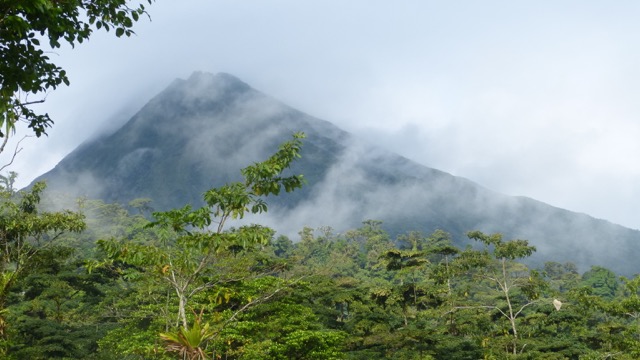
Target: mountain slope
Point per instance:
(199, 132)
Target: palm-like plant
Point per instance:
(189, 344)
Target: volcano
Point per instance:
(198, 133)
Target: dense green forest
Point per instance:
(113, 281)
(108, 281)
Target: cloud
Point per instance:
(535, 99)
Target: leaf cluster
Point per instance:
(25, 65)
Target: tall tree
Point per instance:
(25, 231)
(196, 252)
(516, 287)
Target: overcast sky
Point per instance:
(532, 98)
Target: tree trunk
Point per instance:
(182, 304)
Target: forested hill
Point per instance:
(198, 132)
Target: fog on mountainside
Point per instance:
(199, 132)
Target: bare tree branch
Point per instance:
(16, 151)
(255, 302)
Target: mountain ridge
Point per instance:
(198, 133)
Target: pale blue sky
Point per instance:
(536, 98)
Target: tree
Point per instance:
(561, 277)
(372, 240)
(54, 312)
(516, 287)
(196, 253)
(25, 66)
(24, 232)
(604, 282)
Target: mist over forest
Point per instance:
(193, 135)
(359, 252)
(213, 221)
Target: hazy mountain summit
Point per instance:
(195, 134)
(200, 132)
